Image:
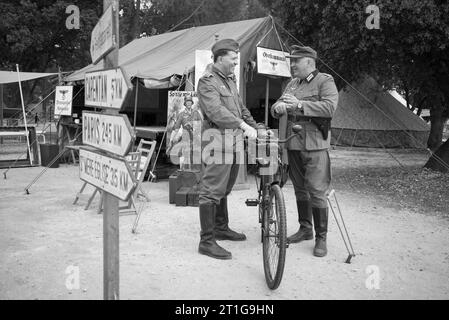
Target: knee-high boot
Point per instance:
(305, 231)
(208, 245)
(320, 218)
(222, 230)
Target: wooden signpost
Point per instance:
(111, 134)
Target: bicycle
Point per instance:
(273, 222)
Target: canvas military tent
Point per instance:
(389, 124)
(161, 60)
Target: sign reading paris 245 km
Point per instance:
(112, 133)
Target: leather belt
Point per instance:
(296, 118)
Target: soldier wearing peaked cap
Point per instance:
(310, 99)
(222, 108)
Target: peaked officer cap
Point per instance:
(301, 52)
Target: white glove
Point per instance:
(248, 131)
(280, 108)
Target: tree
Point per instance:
(164, 15)
(410, 51)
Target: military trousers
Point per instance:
(310, 172)
(218, 180)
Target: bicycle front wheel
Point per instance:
(274, 237)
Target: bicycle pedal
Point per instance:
(252, 202)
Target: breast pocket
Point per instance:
(311, 95)
(224, 93)
(228, 100)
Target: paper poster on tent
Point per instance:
(273, 62)
(204, 60)
(63, 101)
(182, 110)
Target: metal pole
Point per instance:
(267, 97)
(1, 109)
(135, 103)
(24, 115)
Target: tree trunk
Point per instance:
(436, 128)
(135, 25)
(441, 155)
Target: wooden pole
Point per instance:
(24, 115)
(111, 203)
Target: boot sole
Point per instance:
(229, 239)
(213, 256)
(300, 240)
(320, 255)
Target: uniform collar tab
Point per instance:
(311, 76)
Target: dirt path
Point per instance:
(42, 234)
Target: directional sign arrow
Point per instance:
(106, 88)
(110, 174)
(112, 133)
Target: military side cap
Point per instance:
(225, 44)
(301, 52)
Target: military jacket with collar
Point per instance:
(186, 118)
(319, 98)
(222, 106)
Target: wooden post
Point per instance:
(111, 203)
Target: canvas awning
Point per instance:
(11, 76)
(161, 56)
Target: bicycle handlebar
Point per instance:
(297, 132)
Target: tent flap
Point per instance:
(11, 76)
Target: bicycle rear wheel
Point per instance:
(274, 237)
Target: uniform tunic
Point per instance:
(223, 109)
(308, 154)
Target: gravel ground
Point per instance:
(43, 235)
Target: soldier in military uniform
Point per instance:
(187, 116)
(186, 120)
(310, 99)
(222, 108)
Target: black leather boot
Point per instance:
(305, 231)
(320, 217)
(207, 245)
(222, 230)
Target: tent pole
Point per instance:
(267, 94)
(1, 109)
(135, 103)
(24, 115)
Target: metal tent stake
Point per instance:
(348, 244)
